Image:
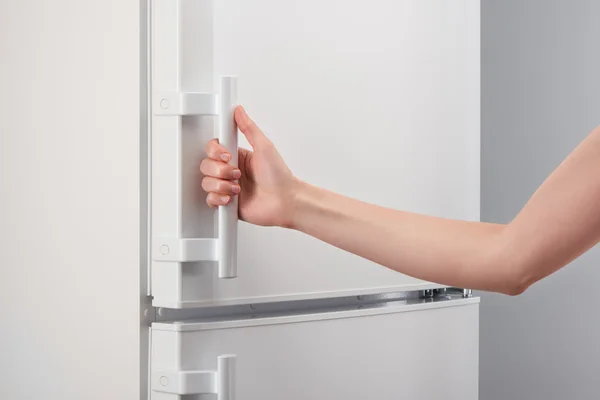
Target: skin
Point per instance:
(560, 222)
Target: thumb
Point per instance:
(252, 132)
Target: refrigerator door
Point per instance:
(376, 100)
(394, 351)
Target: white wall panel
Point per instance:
(69, 199)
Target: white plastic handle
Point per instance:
(228, 215)
(226, 377)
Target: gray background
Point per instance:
(540, 98)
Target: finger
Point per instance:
(252, 132)
(217, 152)
(218, 169)
(214, 200)
(220, 186)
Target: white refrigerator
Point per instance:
(117, 279)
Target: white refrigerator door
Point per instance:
(391, 352)
(376, 100)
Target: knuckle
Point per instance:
(211, 168)
(215, 149)
(211, 145)
(203, 166)
(223, 186)
(211, 199)
(205, 183)
(223, 170)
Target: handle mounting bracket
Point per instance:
(170, 104)
(220, 382)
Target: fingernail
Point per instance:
(224, 199)
(237, 174)
(236, 189)
(225, 157)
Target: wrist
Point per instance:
(297, 194)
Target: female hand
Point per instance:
(264, 182)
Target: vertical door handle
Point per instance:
(223, 250)
(228, 215)
(226, 377)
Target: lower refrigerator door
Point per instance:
(398, 350)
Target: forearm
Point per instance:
(434, 249)
(559, 223)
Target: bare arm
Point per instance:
(560, 222)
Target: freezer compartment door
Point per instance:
(385, 353)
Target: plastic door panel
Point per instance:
(376, 100)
